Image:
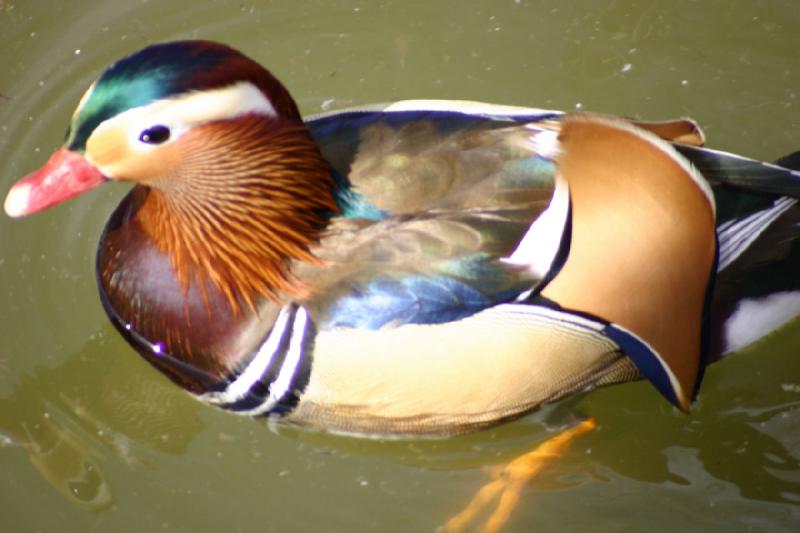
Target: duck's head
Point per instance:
(219, 146)
(136, 121)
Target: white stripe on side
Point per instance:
(755, 318)
(544, 141)
(539, 246)
(468, 107)
(280, 387)
(736, 236)
(255, 370)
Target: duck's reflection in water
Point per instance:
(67, 420)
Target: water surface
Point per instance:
(94, 439)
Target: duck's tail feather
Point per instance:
(781, 177)
(791, 161)
(757, 289)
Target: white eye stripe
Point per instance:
(192, 109)
(218, 104)
(179, 114)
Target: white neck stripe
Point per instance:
(240, 387)
(280, 387)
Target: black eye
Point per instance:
(155, 135)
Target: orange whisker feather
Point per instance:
(253, 200)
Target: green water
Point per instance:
(93, 439)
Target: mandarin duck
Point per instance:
(423, 267)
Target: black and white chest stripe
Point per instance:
(273, 380)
